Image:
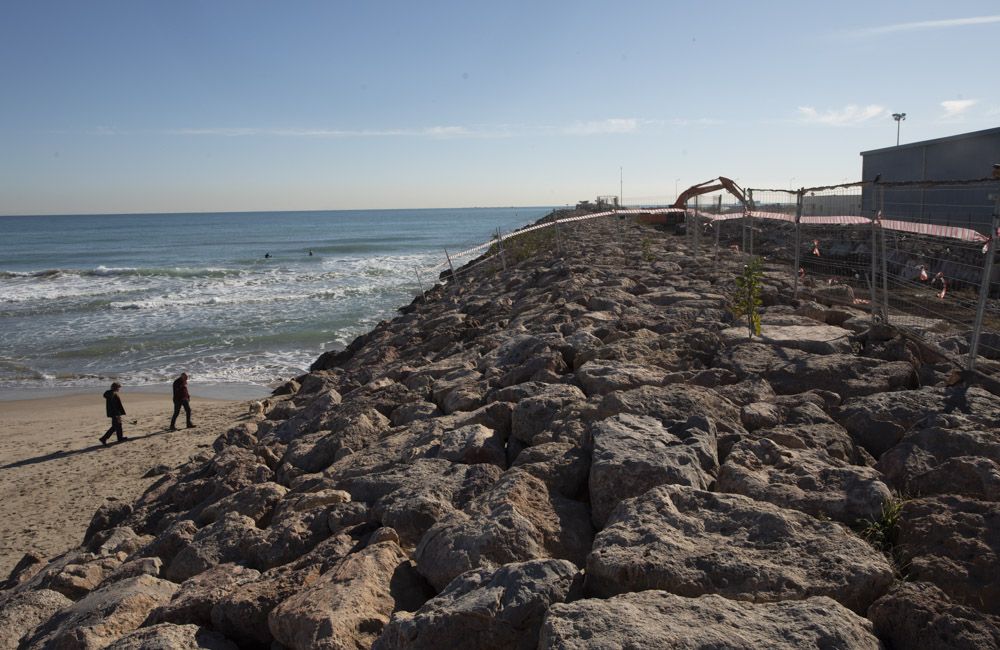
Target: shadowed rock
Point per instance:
(954, 543)
(517, 519)
(919, 615)
(486, 609)
(635, 453)
(347, 606)
(173, 637)
(805, 479)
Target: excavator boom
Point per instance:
(714, 185)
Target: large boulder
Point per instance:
(813, 338)
(347, 606)
(804, 479)
(919, 615)
(603, 377)
(486, 609)
(227, 540)
(677, 406)
(658, 619)
(691, 542)
(946, 461)
(255, 501)
(102, 616)
(110, 514)
(518, 519)
(534, 414)
(562, 466)
(167, 636)
(412, 497)
(22, 612)
(242, 614)
(194, 599)
(788, 370)
(879, 421)
(633, 453)
(954, 543)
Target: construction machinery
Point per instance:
(675, 215)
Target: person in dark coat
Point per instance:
(181, 399)
(115, 411)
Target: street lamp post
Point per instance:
(676, 180)
(899, 117)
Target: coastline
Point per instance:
(54, 473)
(235, 391)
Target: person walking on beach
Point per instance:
(181, 399)
(115, 411)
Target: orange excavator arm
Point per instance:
(720, 183)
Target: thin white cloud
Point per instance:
(603, 127)
(609, 126)
(432, 131)
(851, 114)
(993, 111)
(924, 25)
(955, 108)
(700, 121)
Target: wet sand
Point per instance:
(54, 473)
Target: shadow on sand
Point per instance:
(67, 453)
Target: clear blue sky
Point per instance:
(138, 106)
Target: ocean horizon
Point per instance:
(236, 299)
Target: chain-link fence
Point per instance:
(916, 255)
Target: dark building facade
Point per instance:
(956, 158)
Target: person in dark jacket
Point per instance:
(181, 399)
(115, 411)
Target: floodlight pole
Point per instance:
(899, 117)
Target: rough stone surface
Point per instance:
(946, 461)
(919, 615)
(22, 612)
(194, 599)
(172, 637)
(348, 606)
(691, 542)
(954, 543)
(486, 609)
(878, 422)
(635, 453)
(658, 619)
(103, 615)
(517, 519)
(806, 480)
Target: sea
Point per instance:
(238, 300)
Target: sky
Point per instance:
(220, 105)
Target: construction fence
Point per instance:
(916, 255)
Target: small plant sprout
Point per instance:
(746, 301)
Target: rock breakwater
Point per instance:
(573, 452)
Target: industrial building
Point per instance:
(960, 157)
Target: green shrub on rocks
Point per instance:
(746, 302)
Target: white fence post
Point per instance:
(503, 257)
(885, 260)
(420, 283)
(798, 242)
(984, 285)
(449, 264)
(558, 238)
(872, 291)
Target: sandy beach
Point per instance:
(54, 473)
